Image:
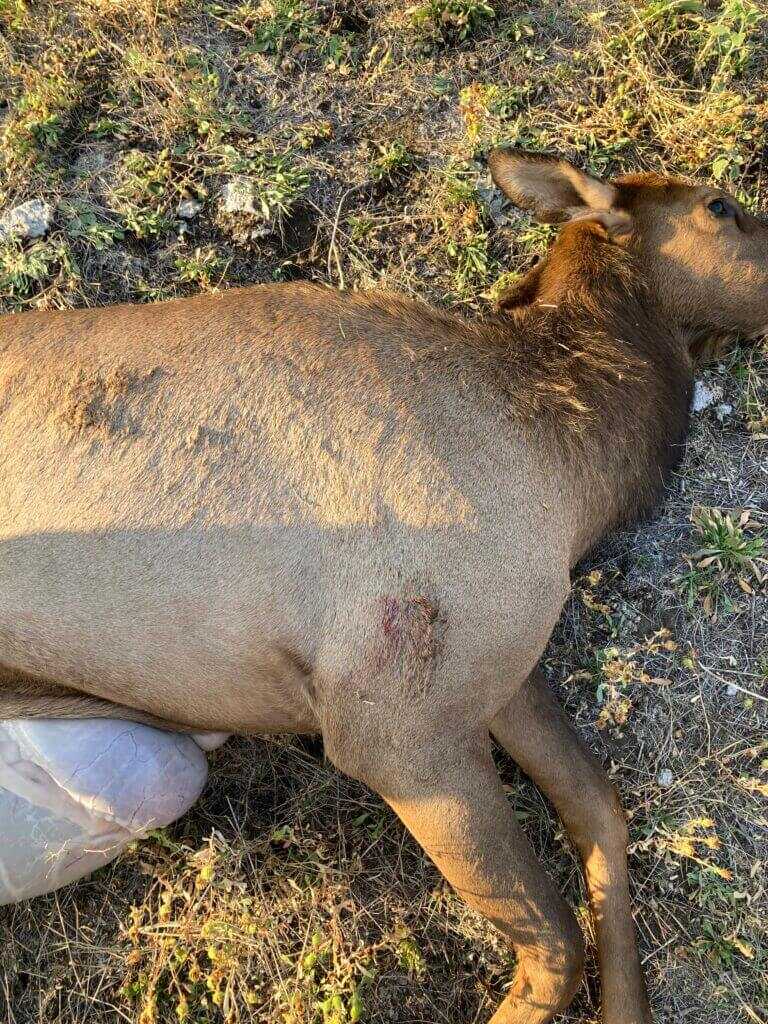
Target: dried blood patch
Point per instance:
(413, 634)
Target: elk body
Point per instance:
(285, 508)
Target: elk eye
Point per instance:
(718, 208)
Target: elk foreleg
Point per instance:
(450, 798)
(538, 736)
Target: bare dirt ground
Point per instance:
(342, 141)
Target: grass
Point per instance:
(291, 895)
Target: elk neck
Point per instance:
(606, 375)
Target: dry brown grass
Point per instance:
(291, 894)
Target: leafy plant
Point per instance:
(277, 181)
(749, 366)
(84, 224)
(726, 545)
(517, 30)
(472, 260)
(25, 271)
(280, 184)
(702, 588)
(200, 267)
(393, 158)
(721, 949)
(339, 52)
(13, 13)
(723, 37)
(451, 19)
(40, 117)
(727, 38)
(312, 132)
(143, 195)
(282, 22)
(409, 956)
(146, 223)
(727, 552)
(536, 238)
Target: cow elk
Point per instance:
(288, 508)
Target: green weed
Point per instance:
(727, 545)
(25, 271)
(203, 267)
(451, 19)
(282, 23)
(84, 224)
(392, 159)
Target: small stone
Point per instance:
(665, 778)
(705, 395)
(500, 210)
(238, 196)
(495, 203)
(731, 690)
(91, 162)
(723, 411)
(30, 220)
(188, 208)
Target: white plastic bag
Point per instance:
(73, 794)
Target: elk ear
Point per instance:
(553, 190)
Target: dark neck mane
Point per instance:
(591, 364)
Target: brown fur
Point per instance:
(581, 386)
(27, 697)
(292, 509)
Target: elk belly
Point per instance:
(73, 794)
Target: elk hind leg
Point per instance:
(23, 696)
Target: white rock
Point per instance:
(502, 212)
(30, 220)
(495, 203)
(188, 208)
(723, 410)
(705, 395)
(731, 690)
(238, 196)
(665, 778)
